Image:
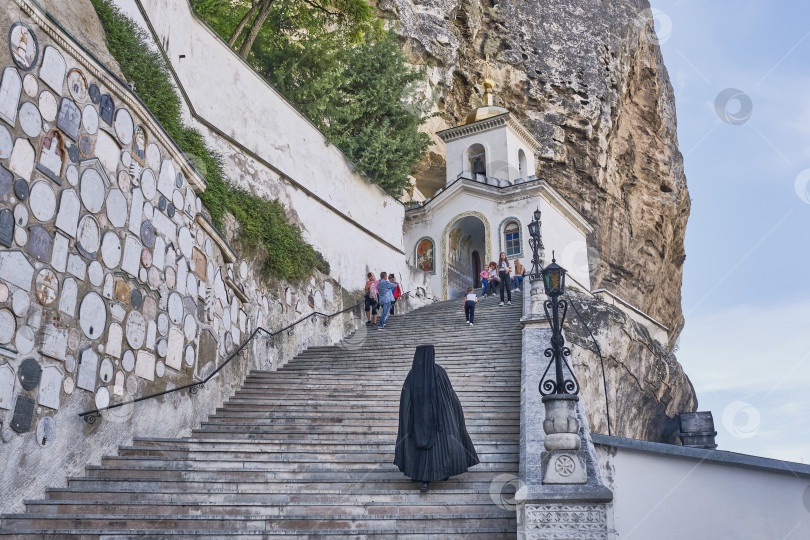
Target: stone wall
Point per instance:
(113, 283)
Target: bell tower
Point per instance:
(491, 146)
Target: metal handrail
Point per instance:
(91, 416)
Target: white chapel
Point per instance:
(488, 200)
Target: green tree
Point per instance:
(335, 63)
(368, 119)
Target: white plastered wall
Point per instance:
(673, 497)
(355, 224)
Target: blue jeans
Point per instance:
(518, 282)
(484, 281)
(386, 309)
(469, 311)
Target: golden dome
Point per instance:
(488, 109)
(482, 113)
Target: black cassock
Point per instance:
(432, 443)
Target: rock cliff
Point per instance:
(646, 386)
(588, 79)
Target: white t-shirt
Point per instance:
(504, 266)
(471, 296)
(493, 273)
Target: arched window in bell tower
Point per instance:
(477, 160)
(522, 166)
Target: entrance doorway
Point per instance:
(465, 243)
(476, 263)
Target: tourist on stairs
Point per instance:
(432, 441)
(371, 300)
(520, 273)
(397, 292)
(506, 280)
(493, 278)
(469, 305)
(484, 279)
(384, 290)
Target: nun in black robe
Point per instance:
(432, 442)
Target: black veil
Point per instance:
(432, 440)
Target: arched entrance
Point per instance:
(465, 247)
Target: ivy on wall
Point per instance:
(265, 228)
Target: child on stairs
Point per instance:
(469, 305)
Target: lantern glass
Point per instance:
(537, 215)
(534, 228)
(554, 279)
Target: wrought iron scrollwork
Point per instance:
(563, 381)
(536, 244)
(92, 417)
(196, 387)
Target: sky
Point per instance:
(740, 71)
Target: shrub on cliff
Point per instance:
(264, 225)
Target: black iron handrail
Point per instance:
(91, 416)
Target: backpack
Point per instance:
(372, 292)
(397, 292)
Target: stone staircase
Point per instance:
(307, 451)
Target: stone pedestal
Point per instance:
(562, 462)
(564, 496)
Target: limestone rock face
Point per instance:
(587, 78)
(646, 385)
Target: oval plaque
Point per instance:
(29, 373)
(128, 361)
(136, 329)
(111, 250)
(93, 315)
(92, 190)
(88, 237)
(123, 125)
(8, 326)
(42, 201)
(47, 287)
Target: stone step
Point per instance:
(293, 455)
(286, 485)
(358, 433)
(311, 523)
(344, 508)
(333, 445)
(248, 407)
(327, 473)
(338, 425)
(349, 416)
(325, 496)
(327, 463)
(476, 533)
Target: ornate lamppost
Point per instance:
(554, 283)
(563, 462)
(536, 243)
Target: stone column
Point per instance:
(563, 494)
